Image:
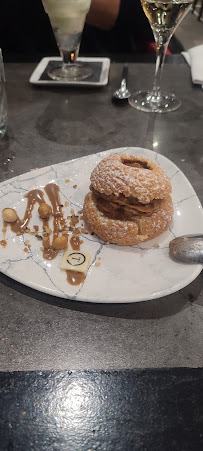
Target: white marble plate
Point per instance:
(126, 274)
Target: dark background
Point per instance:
(26, 33)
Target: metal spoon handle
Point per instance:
(125, 72)
(122, 93)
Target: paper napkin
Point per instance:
(194, 58)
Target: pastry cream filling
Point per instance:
(121, 207)
(136, 164)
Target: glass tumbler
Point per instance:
(3, 99)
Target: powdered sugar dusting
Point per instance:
(112, 176)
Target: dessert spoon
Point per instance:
(122, 93)
(188, 248)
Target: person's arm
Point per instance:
(103, 13)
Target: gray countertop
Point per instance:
(50, 125)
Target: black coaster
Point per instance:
(95, 77)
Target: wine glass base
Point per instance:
(146, 101)
(70, 72)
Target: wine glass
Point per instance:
(67, 19)
(164, 16)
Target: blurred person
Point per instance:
(117, 27)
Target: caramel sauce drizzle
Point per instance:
(3, 243)
(75, 277)
(32, 197)
(75, 242)
(52, 191)
(49, 253)
(20, 226)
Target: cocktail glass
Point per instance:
(67, 19)
(164, 17)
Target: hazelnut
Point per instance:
(60, 242)
(9, 215)
(44, 211)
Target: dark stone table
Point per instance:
(105, 377)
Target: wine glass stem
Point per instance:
(69, 57)
(161, 48)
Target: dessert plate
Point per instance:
(116, 273)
